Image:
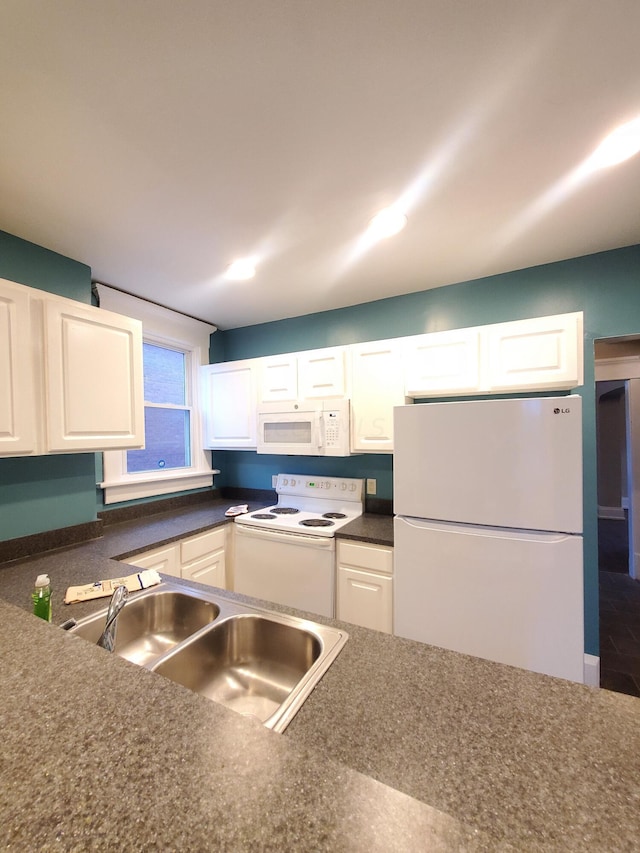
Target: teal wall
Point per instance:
(45, 492)
(605, 286)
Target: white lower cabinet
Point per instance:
(198, 558)
(202, 557)
(164, 559)
(365, 585)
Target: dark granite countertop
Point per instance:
(401, 746)
(376, 529)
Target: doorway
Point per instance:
(618, 448)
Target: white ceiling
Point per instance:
(157, 140)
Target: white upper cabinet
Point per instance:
(377, 386)
(278, 378)
(17, 411)
(540, 354)
(309, 375)
(442, 363)
(71, 373)
(229, 404)
(93, 378)
(544, 353)
(322, 373)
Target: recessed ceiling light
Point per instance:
(387, 223)
(621, 144)
(241, 270)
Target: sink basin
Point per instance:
(249, 663)
(257, 662)
(152, 623)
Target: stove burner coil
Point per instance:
(334, 515)
(316, 522)
(262, 515)
(285, 510)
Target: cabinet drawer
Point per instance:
(378, 558)
(164, 559)
(199, 546)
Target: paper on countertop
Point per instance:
(100, 589)
(237, 510)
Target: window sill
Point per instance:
(129, 490)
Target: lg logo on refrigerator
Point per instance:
(558, 411)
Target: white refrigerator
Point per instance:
(487, 530)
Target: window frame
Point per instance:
(158, 325)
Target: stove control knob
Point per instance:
(327, 485)
(352, 487)
(293, 482)
(285, 481)
(343, 486)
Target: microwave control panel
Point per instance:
(334, 426)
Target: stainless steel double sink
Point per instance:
(257, 662)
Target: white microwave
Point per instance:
(305, 428)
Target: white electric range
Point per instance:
(286, 553)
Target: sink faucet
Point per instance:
(118, 600)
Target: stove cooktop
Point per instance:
(309, 505)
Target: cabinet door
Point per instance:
(93, 378)
(17, 410)
(229, 402)
(209, 570)
(164, 559)
(202, 544)
(442, 363)
(278, 378)
(545, 353)
(322, 373)
(202, 557)
(365, 598)
(377, 386)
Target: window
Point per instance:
(172, 459)
(167, 413)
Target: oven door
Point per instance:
(293, 433)
(288, 568)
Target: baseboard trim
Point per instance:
(592, 670)
(611, 512)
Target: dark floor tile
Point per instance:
(619, 682)
(608, 644)
(617, 627)
(629, 608)
(624, 645)
(625, 613)
(632, 595)
(609, 604)
(617, 662)
(619, 611)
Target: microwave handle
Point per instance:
(317, 437)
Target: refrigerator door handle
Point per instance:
(491, 532)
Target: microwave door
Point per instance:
(289, 433)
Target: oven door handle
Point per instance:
(327, 542)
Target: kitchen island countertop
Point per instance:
(401, 746)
